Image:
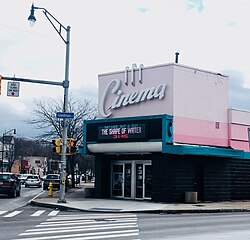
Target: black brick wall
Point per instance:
(173, 175)
(240, 172)
(215, 179)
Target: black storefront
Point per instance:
(135, 158)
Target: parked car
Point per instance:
(33, 181)
(10, 184)
(54, 178)
(23, 177)
(43, 177)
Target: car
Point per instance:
(54, 178)
(33, 181)
(43, 177)
(10, 184)
(23, 177)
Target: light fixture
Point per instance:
(32, 18)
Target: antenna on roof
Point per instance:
(176, 57)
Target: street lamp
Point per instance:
(54, 21)
(4, 134)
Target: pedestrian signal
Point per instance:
(57, 145)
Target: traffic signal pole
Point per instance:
(65, 85)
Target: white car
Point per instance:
(33, 181)
(23, 177)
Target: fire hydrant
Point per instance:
(50, 194)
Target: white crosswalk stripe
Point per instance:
(38, 213)
(84, 227)
(53, 213)
(12, 214)
(7, 214)
(2, 212)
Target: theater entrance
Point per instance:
(131, 179)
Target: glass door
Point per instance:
(139, 180)
(148, 181)
(131, 179)
(117, 180)
(128, 178)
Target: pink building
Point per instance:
(165, 130)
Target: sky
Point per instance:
(109, 35)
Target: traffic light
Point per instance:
(1, 77)
(57, 145)
(72, 145)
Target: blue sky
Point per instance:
(109, 35)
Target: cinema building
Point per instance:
(166, 130)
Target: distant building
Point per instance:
(30, 164)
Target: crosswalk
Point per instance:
(11, 214)
(84, 227)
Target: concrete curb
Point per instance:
(157, 211)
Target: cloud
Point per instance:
(239, 96)
(143, 9)
(195, 4)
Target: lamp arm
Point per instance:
(48, 15)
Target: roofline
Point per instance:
(165, 65)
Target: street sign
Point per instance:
(65, 115)
(13, 89)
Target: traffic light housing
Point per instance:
(72, 145)
(57, 143)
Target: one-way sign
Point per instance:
(65, 115)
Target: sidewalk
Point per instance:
(75, 200)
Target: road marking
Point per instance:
(81, 222)
(53, 213)
(38, 213)
(80, 228)
(94, 235)
(35, 214)
(91, 216)
(2, 212)
(12, 214)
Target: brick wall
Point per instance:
(240, 173)
(215, 179)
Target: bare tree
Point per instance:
(45, 117)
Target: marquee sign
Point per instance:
(122, 131)
(134, 129)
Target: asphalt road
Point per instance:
(36, 223)
(222, 226)
(7, 203)
(21, 221)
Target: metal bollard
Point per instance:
(50, 194)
